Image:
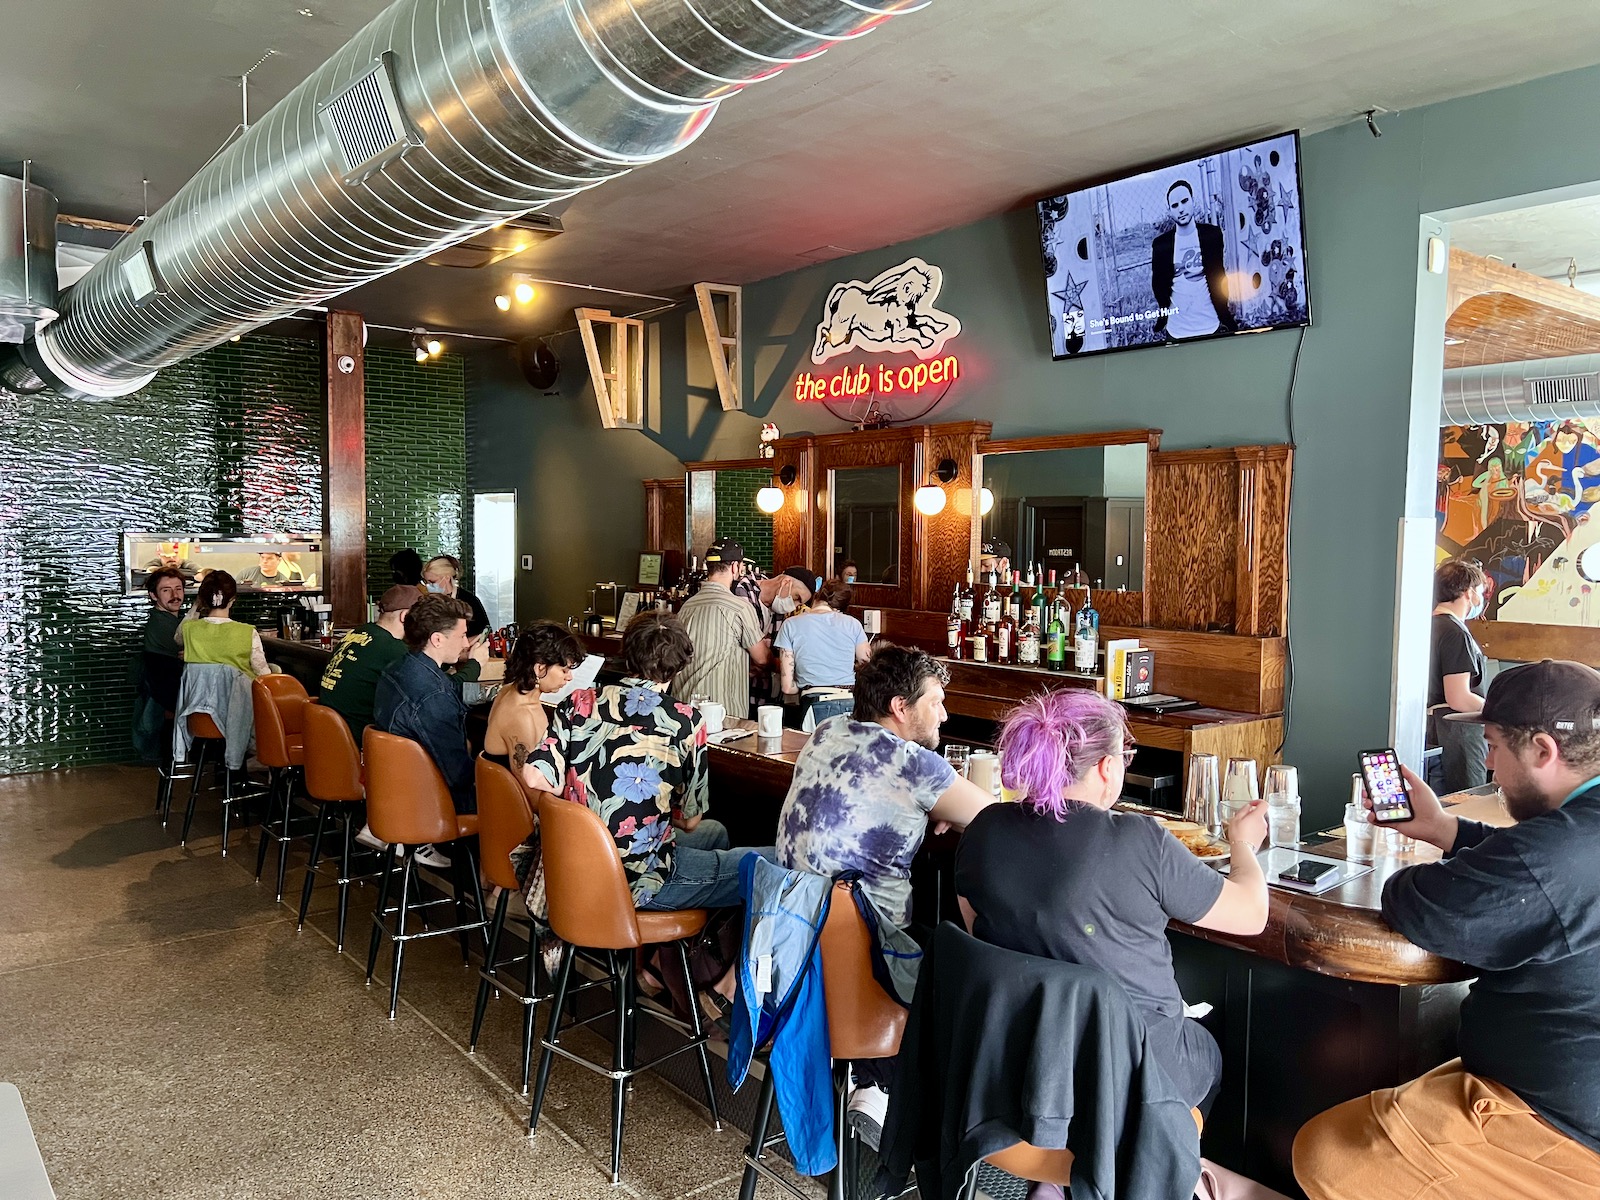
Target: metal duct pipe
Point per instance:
(438, 120)
(1546, 389)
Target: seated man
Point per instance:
(637, 758)
(350, 680)
(162, 656)
(416, 699)
(271, 570)
(1518, 1114)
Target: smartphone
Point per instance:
(1391, 801)
(1305, 871)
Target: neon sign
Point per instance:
(884, 380)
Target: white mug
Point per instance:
(982, 769)
(713, 714)
(769, 721)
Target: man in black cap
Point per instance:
(1519, 1112)
(726, 635)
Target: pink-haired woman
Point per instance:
(1060, 875)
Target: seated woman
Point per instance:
(1060, 875)
(210, 635)
(637, 757)
(818, 650)
(540, 663)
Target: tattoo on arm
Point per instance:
(519, 755)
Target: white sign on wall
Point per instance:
(893, 313)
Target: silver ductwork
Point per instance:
(1546, 389)
(27, 255)
(437, 121)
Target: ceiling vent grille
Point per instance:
(367, 123)
(1554, 389)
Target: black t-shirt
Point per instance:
(1095, 889)
(1522, 905)
(1455, 652)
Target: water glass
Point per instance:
(1358, 831)
(1239, 789)
(957, 757)
(1201, 791)
(1283, 819)
(1283, 778)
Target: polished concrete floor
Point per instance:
(173, 1036)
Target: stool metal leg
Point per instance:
(551, 1037)
(699, 1035)
(529, 1009)
(290, 777)
(378, 913)
(311, 865)
(400, 931)
(344, 878)
(841, 1092)
(274, 782)
(481, 1005)
(758, 1136)
(194, 789)
(621, 1056)
(227, 800)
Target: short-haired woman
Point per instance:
(1060, 875)
(1458, 676)
(209, 634)
(541, 662)
(817, 654)
(441, 575)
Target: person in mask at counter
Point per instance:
(1457, 674)
(441, 575)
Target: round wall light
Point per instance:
(930, 498)
(985, 502)
(769, 499)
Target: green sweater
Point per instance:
(160, 633)
(227, 642)
(351, 678)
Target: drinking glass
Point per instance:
(1358, 831)
(1283, 778)
(1239, 789)
(957, 757)
(1201, 791)
(1283, 818)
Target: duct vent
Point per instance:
(1553, 389)
(367, 122)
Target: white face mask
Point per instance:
(784, 605)
(436, 588)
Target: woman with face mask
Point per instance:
(441, 576)
(1457, 673)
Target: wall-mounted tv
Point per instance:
(1203, 248)
(280, 562)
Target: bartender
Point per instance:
(1457, 674)
(272, 569)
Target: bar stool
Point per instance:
(591, 906)
(505, 819)
(279, 702)
(169, 771)
(409, 805)
(333, 783)
(208, 742)
(1035, 1164)
(864, 1021)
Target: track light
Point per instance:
(503, 302)
(435, 346)
(524, 292)
(424, 345)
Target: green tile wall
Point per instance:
(740, 519)
(229, 442)
(416, 460)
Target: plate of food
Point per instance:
(1197, 840)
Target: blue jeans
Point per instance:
(703, 878)
(821, 710)
(708, 835)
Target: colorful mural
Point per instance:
(1518, 498)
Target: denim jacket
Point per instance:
(415, 699)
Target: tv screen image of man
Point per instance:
(1187, 273)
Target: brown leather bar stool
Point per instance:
(864, 1021)
(333, 783)
(1035, 1164)
(505, 819)
(279, 702)
(409, 805)
(591, 906)
(208, 743)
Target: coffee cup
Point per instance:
(769, 721)
(983, 768)
(713, 714)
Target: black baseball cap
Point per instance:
(805, 578)
(725, 550)
(996, 549)
(1555, 695)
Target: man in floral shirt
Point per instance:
(636, 757)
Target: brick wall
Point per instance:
(740, 519)
(229, 442)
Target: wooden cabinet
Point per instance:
(666, 524)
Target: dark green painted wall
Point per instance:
(739, 518)
(1353, 415)
(229, 442)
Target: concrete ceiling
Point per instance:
(941, 117)
(1541, 240)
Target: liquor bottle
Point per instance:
(1056, 652)
(1014, 599)
(695, 578)
(1005, 649)
(980, 644)
(956, 628)
(966, 600)
(991, 601)
(1088, 634)
(1041, 614)
(1031, 581)
(1028, 639)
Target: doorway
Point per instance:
(494, 554)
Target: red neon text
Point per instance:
(884, 380)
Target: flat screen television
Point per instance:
(271, 563)
(1203, 248)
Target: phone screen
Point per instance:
(1380, 769)
(1305, 871)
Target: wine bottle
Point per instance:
(1088, 634)
(1056, 653)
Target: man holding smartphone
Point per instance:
(1518, 1114)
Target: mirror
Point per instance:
(1078, 508)
(722, 503)
(864, 523)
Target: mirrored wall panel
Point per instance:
(864, 523)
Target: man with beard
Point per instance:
(1519, 1112)
(1187, 272)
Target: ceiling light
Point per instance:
(435, 346)
(306, 12)
(236, 337)
(422, 354)
(769, 499)
(503, 303)
(524, 292)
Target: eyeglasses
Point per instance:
(1127, 755)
